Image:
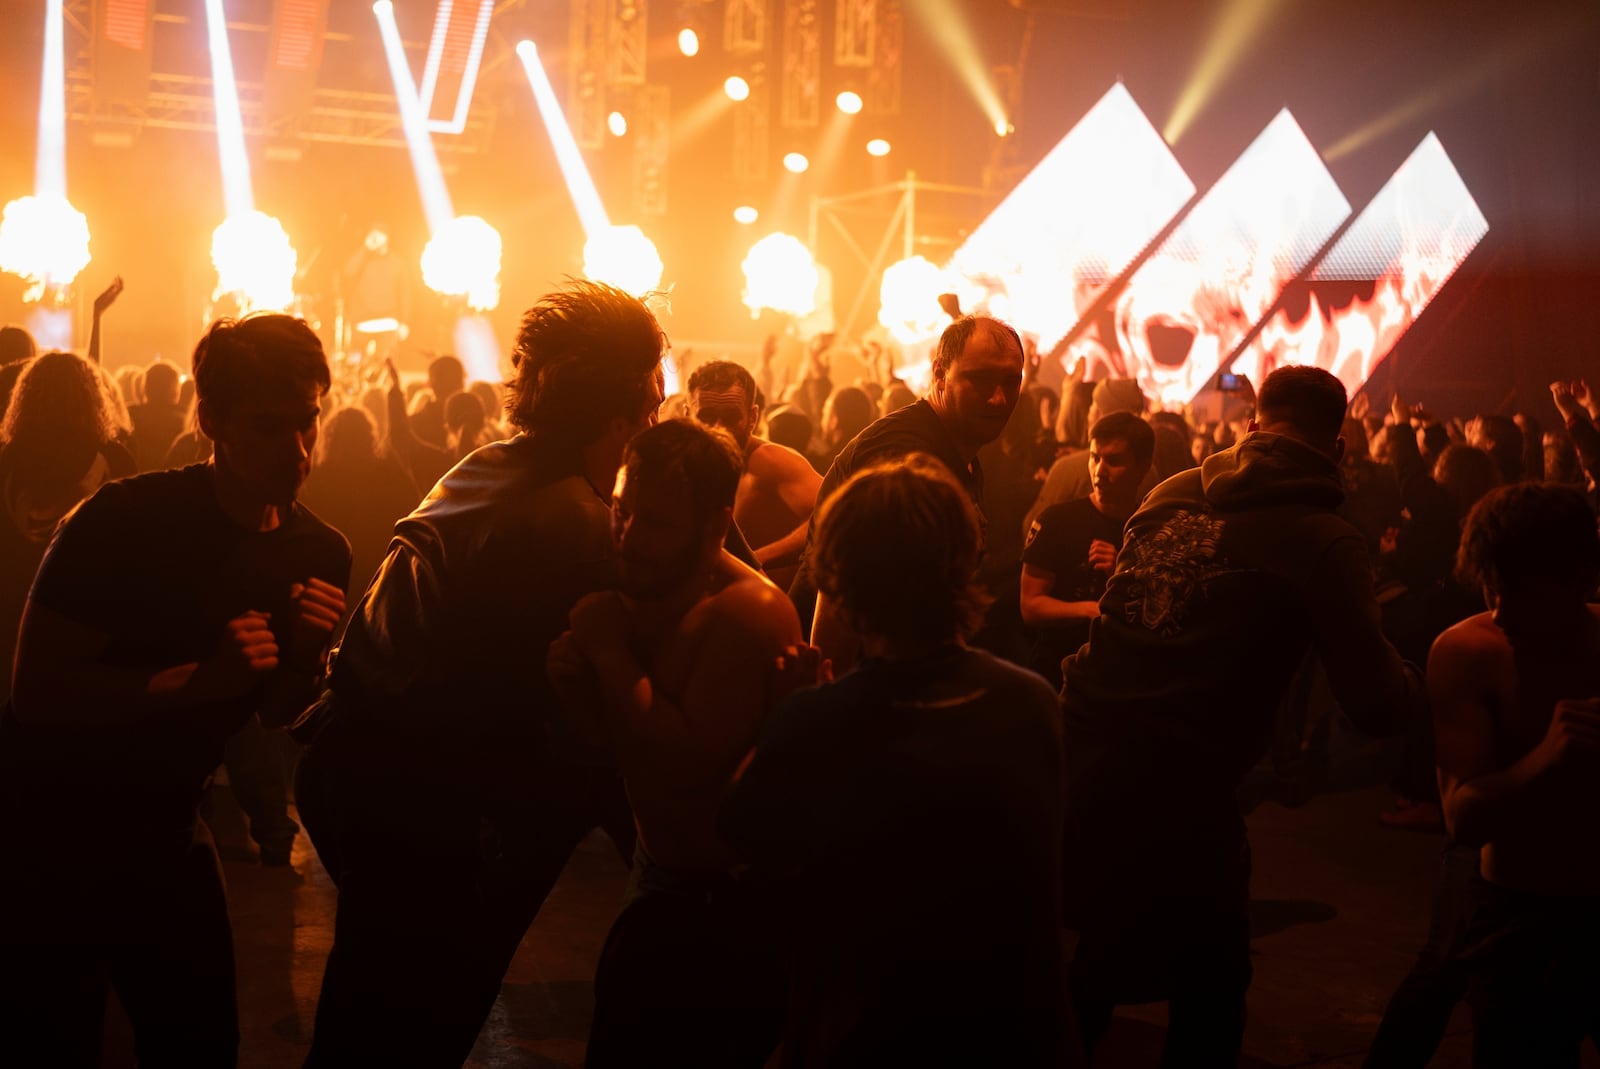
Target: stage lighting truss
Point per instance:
(1264, 269)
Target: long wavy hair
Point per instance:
(61, 414)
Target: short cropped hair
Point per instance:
(446, 376)
(586, 354)
(1126, 427)
(897, 548)
(1529, 531)
(16, 345)
(706, 459)
(723, 375)
(242, 358)
(1501, 438)
(957, 334)
(1307, 398)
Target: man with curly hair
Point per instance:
(441, 792)
(1228, 575)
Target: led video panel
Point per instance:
(1074, 223)
(1198, 294)
(1374, 282)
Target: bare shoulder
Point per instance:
(1473, 645)
(750, 604)
(773, 461)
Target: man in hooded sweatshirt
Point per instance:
(1227, 576)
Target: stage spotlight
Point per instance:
(462, 259)
(736, 88)
(624, 257)
(848, 102)
(877, 147)
(45, 241)
(796, 163)
(780, 274)
(617, 123)
(688, 42)
(745, 214)
(1238, 25)
(237, 194)
(591, 210)
(50, 166)
(254, 262)
(1002, 128)
(949, 24)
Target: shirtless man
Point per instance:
(682, 654)
(1516, 705)
(779, 486)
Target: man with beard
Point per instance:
(169, 609)
(681, 654)
(778, 488)
(977, 377)
(441, 792)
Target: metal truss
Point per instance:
(855, 31)
(752, 129)
(651, 148)
(883, 77)
(801, 95)
(744, 27)
(586, 67)
(627, 43)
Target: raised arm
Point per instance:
(106, 299)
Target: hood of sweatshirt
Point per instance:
(1266, 470)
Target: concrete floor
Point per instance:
(1340, 907)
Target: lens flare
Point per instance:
(736, 88)
(617, 123)
(45, 240)
(780, 274)
(796, 163)
(580, 185)
(463, 260)
(877, 147)
(622, 256)
(848, 102)
(909, 300)
(688, 42)
(745, 214)
(254, 262)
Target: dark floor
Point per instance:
(1340, 907)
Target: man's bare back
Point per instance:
(776, 496)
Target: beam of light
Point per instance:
(254, 261)
(237, 196)
(50, 166)
(1046, 253)
(462, 259)
(1405, 245)
(697, 118)
(947, 22)
(45, 241)
(436, 206)
(1198, 294)
(478, 350)
(1237, 27)
(591, 211)
(780, 274)
(622, 256)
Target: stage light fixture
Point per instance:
(1238, 24)
(1003, 128)
(848, 102)
(737, 88)
(745, 214)
(877, 147)
(688, 42)
(949, 24)
(796, 163)
(585, 197)
(617, 123)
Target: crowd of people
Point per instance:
(874, 693)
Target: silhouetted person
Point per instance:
(159, 419)
(446, 378)
(913, 808)
(442, 793)
(169, 609)
(16, 349)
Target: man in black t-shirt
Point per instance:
(1072, 546)
(169, 608)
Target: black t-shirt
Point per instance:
(1058, 542)
(153, 563)
(914, 810)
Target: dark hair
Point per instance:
(1465, 473)
(242, 358)
(348, 436)
(854, 410)
(62, 412)
(723, 375)
(1309, 399)
(1501, 438)
(1127, 427)
(1529, 531)
(959, 333)
(791, 427)
(897, 397)
(897, 547)
(16, 344)
(706, 459)
(446, 376)
(586, 354)
(162, 381)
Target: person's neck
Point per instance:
(600, 465)
(887, 648)
(655, 618)
(968, 450)
(241, 506)
(1116, 510)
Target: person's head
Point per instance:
(587, 368)
(1432, 439)
(723, 394)
(1307, 404)
(1501, 438)
(129, 380)
(59, 404)
(897, 397)
(488, 395)
(672, 506)
(16, 345)
(790, 427)
(847, 413)
(463, 422)
(259, 384)
(1121, 447)
(1465, 474)
(446, 376)
(1048, 403)
(1114, 395)
(162, 384)
(1533, 549)
(1356, 443)
(977, 376)
(896, 548)
(1561, 463)
(348, 437)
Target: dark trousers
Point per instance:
(441, 867)
(688, 976)
(258, 773)
(1163, 915)
(151, 924)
